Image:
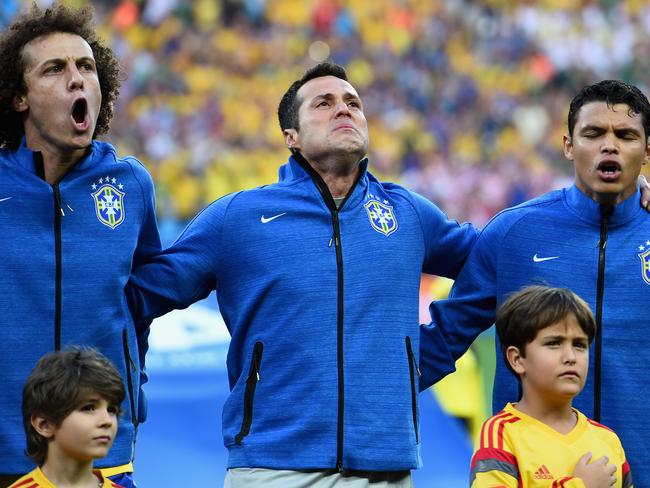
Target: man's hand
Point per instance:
(645, 192)
(598, 474)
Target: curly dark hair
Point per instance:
(38, 22)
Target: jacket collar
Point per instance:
(297, 168)
(589, 210)
(29, 160)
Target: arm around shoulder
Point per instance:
(447, 243)
(183, 273)
(469, 310)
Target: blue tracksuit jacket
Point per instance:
(322, 307)
(66, 251)
(558, 239)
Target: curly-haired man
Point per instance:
(73, 215)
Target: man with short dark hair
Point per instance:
(73, 215)
(593, 238)
(317, 278)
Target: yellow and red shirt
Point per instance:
(36, 479)
(517, 450)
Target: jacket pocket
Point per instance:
(249, 392)
(413, 368)
(130, 366)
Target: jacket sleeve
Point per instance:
(149, 239)
(183, 273)
(469, 310)
(148, 246)
(447, 243)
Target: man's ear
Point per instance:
(567, 144)
(291, 138)
(43, 426)
(515, 359)
(20, 103)
(647, 151)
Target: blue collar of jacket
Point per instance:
(297, 168)
(589, 210)
(27, 159)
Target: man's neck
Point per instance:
(339, 186)
(56, 163)
(56, 166)
(339, 175)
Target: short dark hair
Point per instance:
(57, 385)
(526, 312)
(290, 104)
(611, 92)
(39, 22)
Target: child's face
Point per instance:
(88, 432)
(556, 363)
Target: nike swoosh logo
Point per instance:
(265, 220)
(537, 259)
(6, 198)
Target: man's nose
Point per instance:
(342, 108)
(76, 81)
(609, 144)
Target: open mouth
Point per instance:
(609, 170)
(79, 110)
(79, 114)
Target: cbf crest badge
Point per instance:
(644, 256)
(381, 215)
(109, 201)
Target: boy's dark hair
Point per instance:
(534, 308)
(58, 383)
(290, 104)
(611, 92)
(38, 22)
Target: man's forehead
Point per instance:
(601, 111)
(324, 85)
(57, 45)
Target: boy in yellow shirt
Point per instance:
(542, 441)
(71, 402)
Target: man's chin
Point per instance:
(81, 141)
(612, 194)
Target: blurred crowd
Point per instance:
(466, 100)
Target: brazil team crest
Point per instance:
(109, 201)
(381, 216)
(644, 256)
